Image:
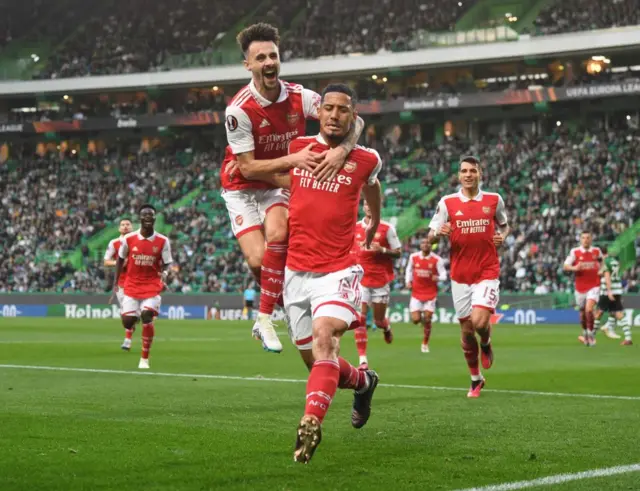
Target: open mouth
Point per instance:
(270, 75)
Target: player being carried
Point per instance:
(584, 261)
(147, 255)
(611, 299)
(322, 292)
(423, 272)
(476, 223)
(261, 120)
(110, 259)
(377, 262)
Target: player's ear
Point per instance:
(245, 62)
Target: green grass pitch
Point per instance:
(82, 430)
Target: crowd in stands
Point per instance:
(554, 186)
(583, 15)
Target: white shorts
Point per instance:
(581, 298)
(311, 295)
(133, 307)
(375, 295)
(248, 207)
(484, 295)
(416, 305)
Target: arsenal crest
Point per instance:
(239, 220)
(350, 166)
(486, 209)
(155, 250)
(293, 119)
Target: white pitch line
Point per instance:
(303, 381)
(560, 478)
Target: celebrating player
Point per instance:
(424, 270)
(110, 256)
(476, 223)
(147, 254)
(322, 292)
(377, 262)
(611, 299)
(584, 261)
(261, 120)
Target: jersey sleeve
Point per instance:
(408, 272)
(440, 217)
(501, 212)
(571, 258)
(392, 238)
(376, 170)
(124, 249)
(166, 252)
(110, 252)
(442, 271)
(310, 104)
(239, 130)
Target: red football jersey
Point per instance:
(112, 253)
(145, 258)
(322, 217)
(474, 256)
(589, 259)
(424, 272)
(378, 268)
(256, 124)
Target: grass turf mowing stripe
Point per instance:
(301, 381)
(560, 478)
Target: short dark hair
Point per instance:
(343, 89)
(145, 206)
(257, 32)
(470, 159)
(585, 232)
(127, 219)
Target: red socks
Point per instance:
(321, 387)
(427, 332)
(350, 376)
(128, 333)
(471, 349)
(590, 319)
(272, 275)
(148, 331)
(360, 335)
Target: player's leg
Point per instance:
(415, 310)
(461, 295)
(360, 332)
(130, 312)
(380, 300)
(486, 295)
(589, 312)
(581, 303)
(150, 309)
(128, 331)
(623, 320)
(427, 316)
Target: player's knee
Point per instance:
(146, 316)
(128, 322)
(415, 318)
(278, 233)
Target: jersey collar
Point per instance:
(266, 102)
(153, 236)
(464, 199)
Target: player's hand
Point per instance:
(375, 247)
(445, 230)
(332, 163)
(498, 239)
(611, 296)
(231, 168)
(408, 286)
(306, 159)
(112, 298)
